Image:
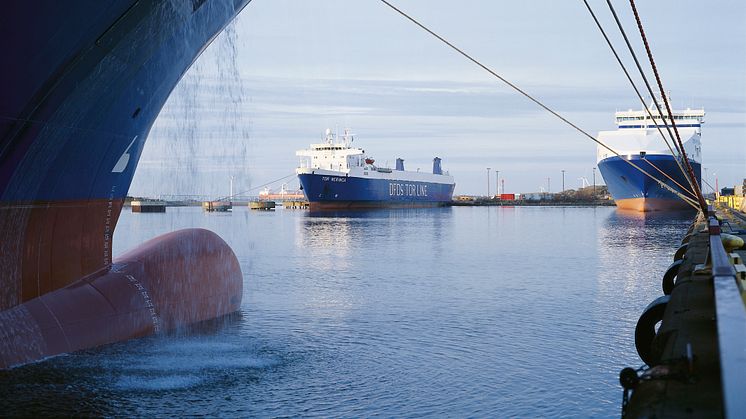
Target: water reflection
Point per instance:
(331, 235)
(641, 245)
(337, 243)
(464, 311)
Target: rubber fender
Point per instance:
(680, 252)
(645, 330)
(686, 239)
(670, 275)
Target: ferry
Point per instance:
(638, 141)
(335, 175)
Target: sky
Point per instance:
(286, 70)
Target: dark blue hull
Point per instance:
(632, 189)
(82, 83)
(341, 192)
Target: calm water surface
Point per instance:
(485, 311)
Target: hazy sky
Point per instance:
(308, 65)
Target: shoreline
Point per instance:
(476, 203)
(522, 203)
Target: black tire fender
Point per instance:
(670, 276)
(680, 252)
(645, 330)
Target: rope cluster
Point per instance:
(696, 199)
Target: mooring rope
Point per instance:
(702, 201)
(539, 103)
(652, 94)
(644, 105)
(254, 188)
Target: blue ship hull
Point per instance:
(82, 83)
(343, 192)
(632, 189)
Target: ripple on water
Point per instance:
(157, 382)
(459, 316)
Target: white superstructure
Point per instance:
(637, 134)
(339, 158)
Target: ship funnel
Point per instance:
(436, 166)
(400, 164)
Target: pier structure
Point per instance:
(295, 204)
(217, 206)
(262, 205)
(696, 360)
(148, 206)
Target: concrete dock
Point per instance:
(696, 361)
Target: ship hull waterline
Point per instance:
(87, 81)
(171, 281)
(325, 192)
(634, 190)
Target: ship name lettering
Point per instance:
(333, 179)
(407, 189)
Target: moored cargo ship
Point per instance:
(334, 175)
(82, 84)
(638, 141)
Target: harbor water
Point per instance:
(447, 312)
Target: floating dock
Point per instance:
(696, 360)
(262, 205)
(295, 204)
(148, 206)
(217, 206)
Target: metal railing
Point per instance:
(731, 325)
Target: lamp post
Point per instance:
(594, 183)
(488, 182)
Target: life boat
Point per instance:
(369, 161)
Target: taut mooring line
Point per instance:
(540, 104)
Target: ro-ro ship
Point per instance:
(637, 140)
(334, 175)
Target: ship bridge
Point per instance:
(688, 118)
(333, 155)
(639, 133)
